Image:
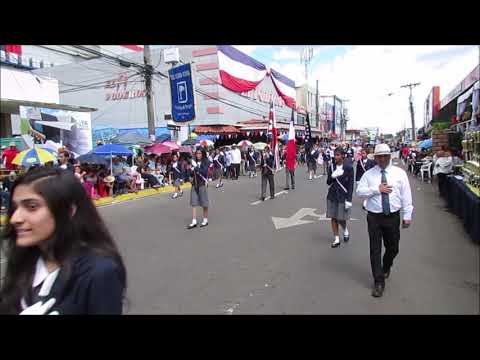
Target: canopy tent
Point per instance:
(163, 137)
(112, 149)
(189, 142)
(90, 158)
(131, 138)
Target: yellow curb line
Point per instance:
(141, 194)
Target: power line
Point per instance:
(97, 86)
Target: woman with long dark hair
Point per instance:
(61, 257)
(199, 196)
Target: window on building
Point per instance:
(300, 119)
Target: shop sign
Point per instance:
(264, 96)
(117, 89)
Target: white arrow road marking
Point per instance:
(296, 219)
(268, 198)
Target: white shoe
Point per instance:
(204, 223)
(175, 195)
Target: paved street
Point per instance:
(246, 263)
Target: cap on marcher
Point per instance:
(13, 143)
(382, 149)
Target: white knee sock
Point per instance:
(337, 239)
(345, 232)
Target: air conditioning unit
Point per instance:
(3, 55)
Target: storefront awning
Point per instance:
(216, 129)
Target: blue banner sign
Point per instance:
(181, 85)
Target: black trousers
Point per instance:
(271, 182)
(289, 174)
(386, 227)
(236, 169)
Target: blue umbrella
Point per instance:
(95, 159)
(112, 149)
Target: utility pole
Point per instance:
(411, 86)
(305, 58)
(149, 91)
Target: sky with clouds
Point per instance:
(365, 75)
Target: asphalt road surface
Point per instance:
(273, 257)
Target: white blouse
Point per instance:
(42, 276)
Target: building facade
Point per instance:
(119, 92)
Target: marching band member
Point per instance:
(198, 195)
(219, 165)
(267, 164)
(177, 176)
(252, 164)
(339, 198)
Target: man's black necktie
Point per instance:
(385, 197)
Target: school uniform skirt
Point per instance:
(199, 197)
(218, 172)
(336, 210)
(312, 166)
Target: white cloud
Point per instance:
(247, 49)
(366, 74)
(286, 54)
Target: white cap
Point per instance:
(382, 149)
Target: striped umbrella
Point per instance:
(33, 156)
(206, 143)
(244, 143)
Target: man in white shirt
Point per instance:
(387, 190)
(236, 160)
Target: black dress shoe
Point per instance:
(378, 290)
(287, 188)
(191, 226)
(335, 244)
(293, 187)
(262, 198)
(272, 197)
(203, 225)
(346, 238)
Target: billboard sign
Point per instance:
(183, 99)
(71, 128)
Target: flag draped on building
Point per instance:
(238, 71)
(273, 132)
(291, 145)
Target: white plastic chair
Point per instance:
(426, 168)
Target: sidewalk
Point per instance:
(141, 194)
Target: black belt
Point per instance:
(382, 214)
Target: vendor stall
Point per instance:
(465, 204)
